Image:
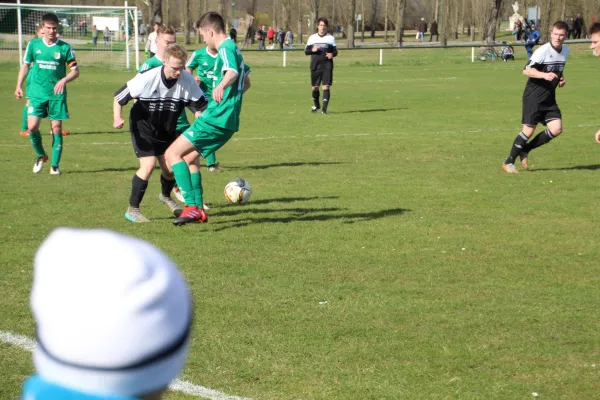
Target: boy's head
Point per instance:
(50, 26)
(210, 26)
(595, 38)
(175, 57)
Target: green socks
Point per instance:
(211, 159)
(36, 141)
(24, 119)
(184, 181)
(57, 142)
(197, 187)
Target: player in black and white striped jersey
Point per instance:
(545, 71)
(321, 48)
(162, 95)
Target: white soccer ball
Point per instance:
(238, 191)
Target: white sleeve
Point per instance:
(137, 85)
(310, 41)
(333, 41)
(537, 57)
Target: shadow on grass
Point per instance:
(367, 111)
(280, 200)
(287, 164)
(592, 167)
(94, 171)
(311, 215)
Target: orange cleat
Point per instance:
(65, 133)
(24, 133)
(510, 169)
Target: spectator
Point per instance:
(289, 39)
(270, 35)
(578, 27)
(508, 53)
(233, 34)
(113, 318)
(106, 36)
(151, 43)
(434, 31)
(532, 40)
(249, 37)
(280, 38)
(571, 28)
(261, 36)
(142, 32)
(518, 31)
(422, 30)
(94, 35)
(84, 27)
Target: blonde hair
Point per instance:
(175, 50)
(165, 30)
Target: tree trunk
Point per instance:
(492, 21)
(546, 27)
(275, 15)
(362, 21)
(316, 14)
(156, 7)
(373, 17)
(385, 23)
(436, 10)
(351, 22)
(186, 18)
(166, 21)
(400, 7)
(562, 13)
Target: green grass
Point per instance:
(444, 277)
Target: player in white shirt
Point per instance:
(151, 43)
(321, 48)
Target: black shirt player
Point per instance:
(545, 71)
(321, 48)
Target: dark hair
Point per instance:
(211, 20)
(323, 19)
(562, 25)
(50, 18)
(595, 28)
(156, 24)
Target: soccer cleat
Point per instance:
(324, 112)
(524, 159)
(315, 109)
(177, 192)
(135, 215)
(54, 171)
(24, 133)
(191, 214)
(39, 163)
(510, 168)
(64, 133)
(173, 206)
(214, 168)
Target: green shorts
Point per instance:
(182, 123)
(207, 138)
(56, 110)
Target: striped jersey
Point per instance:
(319, 60)
(546, 59)
(204, 62)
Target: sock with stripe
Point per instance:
(326, 95)
(539, 140)
(516, 148)
(315, 96)
(36, 141)
(57, 146)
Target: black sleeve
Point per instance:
(334, 52)
(199, 105)
(308, 50)
(123, 96)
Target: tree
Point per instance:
(156, 10)
(400, 8)
(547, 20)
(373, 17)
(351, 19)
(187, 23)
(492, 20)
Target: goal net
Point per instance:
(99, 35)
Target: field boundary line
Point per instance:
(25, 343)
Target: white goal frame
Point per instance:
(133, 11)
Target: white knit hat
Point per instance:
(113, 313)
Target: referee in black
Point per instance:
(321, 48)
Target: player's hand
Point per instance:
(598, 137)
(329, 55)
(59, 88)
(550, 76)
(19, 93)
(147, 54)
(118, 123)
(315, 49)
(562, 82)
(197, 78)
(218, 94)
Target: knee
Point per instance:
(325, 87)
(315, 88)
(556, 131)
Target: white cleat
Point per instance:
(39, 163)
(54, 171)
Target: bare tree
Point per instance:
(373, 17)
(385, 23)
(400, 8)
(156, 10)
(351, 19)
(547, 20)
(492, 20)
(187, 23)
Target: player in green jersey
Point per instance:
(39, 31)
(218, 123)
(49, 59)
(204, 60)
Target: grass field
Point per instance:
(384, 254)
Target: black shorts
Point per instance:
(321, 77)
(145, 146)
(539, 113)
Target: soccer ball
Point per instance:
(238, 191)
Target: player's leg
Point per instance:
(553, 122)
(174, 157)
(57, 111)
(24, 130)
(315, 78)
(517, 148)
(327, 82)
(211, 163)
(167, 183)
(139, 184)
(36, 111)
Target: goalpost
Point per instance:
(98, 34)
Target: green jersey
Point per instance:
(149, 64)
(49, 63)
(226, 114)
(204, 62)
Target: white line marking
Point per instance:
(245, 138)
(25, 343)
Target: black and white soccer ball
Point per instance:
(238, 191)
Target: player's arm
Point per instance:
(531, 69)
(230, 73)
(71, 76)
(598, 137)
(333, 53)
(131, 90)
(247, 83)
(191, 65)
(310, 48)
(562, 81)
(23, 71)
